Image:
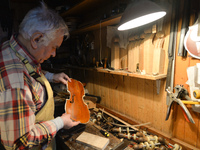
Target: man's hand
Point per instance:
(68, 123)
(61, 77)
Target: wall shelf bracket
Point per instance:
(158, 85)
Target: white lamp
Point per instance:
(140, 13)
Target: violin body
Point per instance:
(75, 105)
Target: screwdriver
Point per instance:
(104, 133)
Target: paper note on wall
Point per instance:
(193, 74)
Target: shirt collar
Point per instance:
(23, 51)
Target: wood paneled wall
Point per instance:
(137, 98)
(187, 132)
(133, 97)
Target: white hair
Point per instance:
(44, 20)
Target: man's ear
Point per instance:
(35, 39)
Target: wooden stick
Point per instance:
(131, 126)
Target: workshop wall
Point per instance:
(138, 100)
(181, 128)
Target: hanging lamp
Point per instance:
(140, 13)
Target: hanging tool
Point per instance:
(180, 92)
(196, 94)
(103, 132)
(185, 23)
(172, 47)
(183, 93)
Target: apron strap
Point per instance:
(29, 67)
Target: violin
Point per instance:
(75, 105)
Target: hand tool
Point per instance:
(105, 63)
(190, 102)
(181, 92)
(175, 97)
(172, 48)
(185, 23)
(139, 138)
(103, 132)
(167, 144)
(129, 136)
(145, 145)
(161, 141)
(120, 129)
(196, 93)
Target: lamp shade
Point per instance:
(140, 13)
(192, 41)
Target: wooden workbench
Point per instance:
(71, 143)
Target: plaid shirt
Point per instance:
(21, 97)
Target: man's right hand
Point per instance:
(68, 123)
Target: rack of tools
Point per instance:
(131, 136)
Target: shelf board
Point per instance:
(123, 73)
(109, 21)
(83, 7)
(136, 75)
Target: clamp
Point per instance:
(180, 92)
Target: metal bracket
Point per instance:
(158, 81)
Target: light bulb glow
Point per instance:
(142, 20)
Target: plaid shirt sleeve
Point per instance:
(17, 121)
(20, 98)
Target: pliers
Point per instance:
(175, 97)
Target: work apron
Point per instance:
(47, 111)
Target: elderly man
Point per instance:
(26, 98)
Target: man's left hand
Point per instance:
(61, 77)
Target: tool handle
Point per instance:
(138, 146)
(169, 73)
(168, 111)
(116, 129)
(196, 93)
(139, 134)
(163, 141)
(185, 24)
(104, 133)
(186, 113)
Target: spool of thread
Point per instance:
(196, 93)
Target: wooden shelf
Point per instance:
(83, 7)
(122, 72)
(109, 21)
(136, 75)
(88, 6)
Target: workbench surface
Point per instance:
(73, 145)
